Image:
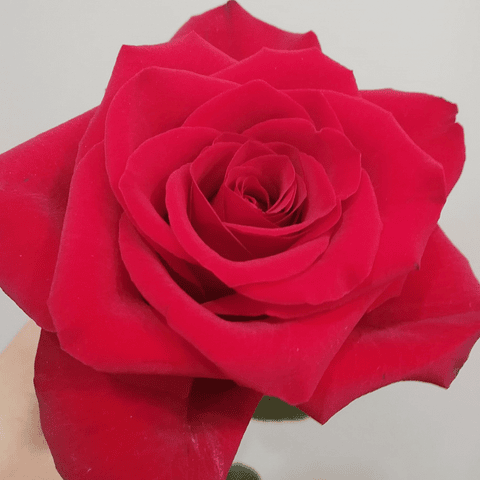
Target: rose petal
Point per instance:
(99, 316)
(331, 148)
(240, 108)
(315, 103)
(425, 334)
(121, 427)
(409, 184)
(337, 152)
(231, 137)
(216, 190)
(237, 305)
(234, 209)
(204, 219)
(232, 21)
(190, 53)
(263, 242)
(289, 201)
(210, 166)
(266, 178)
(291, 363)
(152, 102)
(308, 68)
(345, 264)
(142, 185)
(321, 194)
(34, 183)
(234, 304)
(430, 122)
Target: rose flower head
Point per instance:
(235, 219)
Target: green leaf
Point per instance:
(239, 471)
(272, 409)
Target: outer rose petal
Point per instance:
(424, 334)
(232, 23)
(111, 427)
(34, 184)
(190, 53)
(152, 102)
(303, 69)
(99, 315)
(430, 122)
(409, 184)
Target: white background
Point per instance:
(55, 60)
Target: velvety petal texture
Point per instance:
(430, 122)
(235, 219)
(424, 334)
(308, 68)
(240, 35)
(109, 326)
(106, 426)
(34, 184)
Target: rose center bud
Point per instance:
(266, 184)
(252, 191)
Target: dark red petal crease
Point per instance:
(204, 220)
(118, 427)
(229, 35)
(424, 334)
(34, 184)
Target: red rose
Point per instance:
(235, 219)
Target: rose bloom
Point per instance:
(235, 219)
